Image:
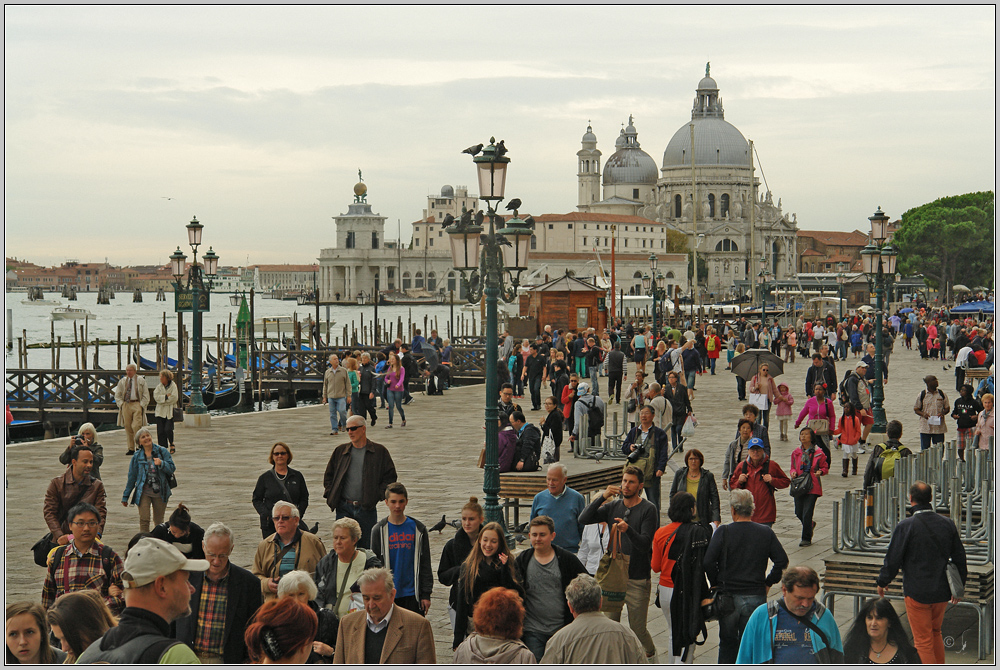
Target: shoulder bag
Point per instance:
(802, 484)
(40, 550)
(612, 574)
(822, 426)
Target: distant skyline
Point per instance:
(122, 122)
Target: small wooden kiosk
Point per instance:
(566, 303)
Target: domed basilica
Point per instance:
(721, 225)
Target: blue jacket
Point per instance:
(138, 469)
(758, 636)
(565, 513)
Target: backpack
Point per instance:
(595, 419)
(842, 395)
(60, 552)
(710, 345)
(923, 394)
(885, 466)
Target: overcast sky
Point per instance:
(256, 119)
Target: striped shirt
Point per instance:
(211, 628)
(78, 570)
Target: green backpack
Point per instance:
(886, 465)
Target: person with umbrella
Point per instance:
(763, 384)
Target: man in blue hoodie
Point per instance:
(794, 629)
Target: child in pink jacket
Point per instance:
(783, 409)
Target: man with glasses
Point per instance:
(84, 563)
(225, 597)
(290, 548)
(507, 406)
(356, 477)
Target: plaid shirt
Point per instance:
(78, 571)
(212, 616)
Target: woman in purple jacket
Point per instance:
(395, 387)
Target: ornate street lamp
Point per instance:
(879, 265)
(194, 295)
(495, 261)
(841, 279)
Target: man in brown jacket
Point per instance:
(383, 633)
(289, 548)
(72, 487)
(336, 393)
(356, 478)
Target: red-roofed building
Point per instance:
(825, 250)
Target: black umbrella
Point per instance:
(748, 363)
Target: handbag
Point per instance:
(630, 406)
(758, 400)
(687, 430)
(548, 450)
(819, 426)
(612, 575)
(723, 604)
(171, 481)
(42, 548)
(178, 414)
(802, 484)
(955, 583)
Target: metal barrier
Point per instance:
(962, 489)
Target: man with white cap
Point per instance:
(585, 402)
(157, 592)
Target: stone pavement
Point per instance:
(435, 456)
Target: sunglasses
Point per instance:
(280, 453)
(283, 517)
(351, 429)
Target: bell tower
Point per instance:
(588, 170)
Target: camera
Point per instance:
(78, 441)
(636, 455)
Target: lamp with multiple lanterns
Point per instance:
(653, 286)
(494, 262)
(762, 278)
(841, 279)
(193, 296)
(878, 260)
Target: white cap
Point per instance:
(151, 558)
(583, 388)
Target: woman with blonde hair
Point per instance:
(457, 549)
(79, 618)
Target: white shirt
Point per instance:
(962, 357)
(376, 627)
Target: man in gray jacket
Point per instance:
(336, 393)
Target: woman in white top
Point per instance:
(165, 395)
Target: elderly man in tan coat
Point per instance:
(337, 393)
(132, 398)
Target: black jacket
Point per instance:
(367, 380)
(455, 551)
(190, 544)
(679, 402)
(554, 426)
(529, 447)
(707, 500)
(243, 599)
(268, 491)
(821, 375)
(491, 575)
(921, 546)
(133, 623)
(569, 567)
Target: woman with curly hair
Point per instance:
(488, 565)
(877, 636)
(282, 631)
(499, 621)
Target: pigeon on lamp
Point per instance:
(439, 526)
(480, 217)
(503, 241)
(530, 220)
(473, 150)
(448, 220)
(466, 219)
(514, 204)
(501, 149)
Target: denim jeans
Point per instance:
(675, 432)
(365, 518)
(535, 384)
(804, 508)
(396, 401)
(593, 370)
(338, 412)
(927, 439)
(741, 388)
(536, 642)
(731, 626)
(711, 364)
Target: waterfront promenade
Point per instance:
(435, 457)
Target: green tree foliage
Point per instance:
(702, 267)
(949, 241)
(677, 242)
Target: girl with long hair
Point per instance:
(79, 618)
(28, 636)
(457, 550)
(395, 387)
(488, 565)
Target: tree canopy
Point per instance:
(949, 241)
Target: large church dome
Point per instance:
(629, 164)
(716, 141)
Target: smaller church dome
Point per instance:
(620, 142)
(447, 191)
(589, 136)
(629, 164)
(707, 84)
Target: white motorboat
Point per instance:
(42, 302)
(73, 313)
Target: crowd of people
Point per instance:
(175, 597)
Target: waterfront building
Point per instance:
(726, 189)
(823, 250)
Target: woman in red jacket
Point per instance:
(714, 346)
(808, 457)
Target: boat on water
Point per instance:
(42, 302)
(66, 313)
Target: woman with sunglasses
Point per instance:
(763, 383)
(279, 483)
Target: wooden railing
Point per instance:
(68, 394)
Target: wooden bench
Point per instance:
(854, 577)
(584, 477)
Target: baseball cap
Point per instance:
(755, 443)
(583, 388)
(151, 558)
(861, 364)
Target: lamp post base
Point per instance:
(197, 420)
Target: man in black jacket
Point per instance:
(366, 390)
(546, 570)
(616, 368)
(922, 546)
(821, 373)
(529, 443)
(534, 372)
(224, 582)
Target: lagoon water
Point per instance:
(149, 316)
